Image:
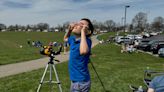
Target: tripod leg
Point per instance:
(41, 82)
(50, 81)
(57, 79)
(98, 76)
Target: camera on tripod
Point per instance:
(48, 50)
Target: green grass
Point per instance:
(117, 70)
(106, 35)
(10, 52)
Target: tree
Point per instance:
(11, 28)
(110, 25)
(95, 24)
(139, 21)
(2, 27)
(43, 26)
(158, 23)
(65, 25)
(130, 27)
(59, 27)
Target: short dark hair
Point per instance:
(90, 25)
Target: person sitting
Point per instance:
(123, 48)
(130, 48)
(157, 84)
(55, 44)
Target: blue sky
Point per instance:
(59, 11)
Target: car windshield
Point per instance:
(124, 38)
(162, 49)
(162, 45)
(151, 42)
(144, 42)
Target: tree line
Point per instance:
(138, 24)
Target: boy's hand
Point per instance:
(71, 26)
(68, 33)
(85, 28)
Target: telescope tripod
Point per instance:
(51, 66)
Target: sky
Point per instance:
(56, 12)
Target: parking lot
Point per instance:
(150, 44)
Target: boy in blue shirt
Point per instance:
(80, 48)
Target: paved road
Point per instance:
(12, 69)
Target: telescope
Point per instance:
(49, 51)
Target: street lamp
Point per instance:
(124, 45)
(122, 24)
(127, 6)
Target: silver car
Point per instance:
(161, 52)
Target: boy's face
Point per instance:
(78, 26)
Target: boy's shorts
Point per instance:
(80, 86)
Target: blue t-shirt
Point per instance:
(78, 64)
(157, 84)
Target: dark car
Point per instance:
(155, 47)
(148, 46)
(143, 44)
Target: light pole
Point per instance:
(127, 6)
(124, 45)
(122, 23)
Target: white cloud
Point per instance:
(58, 11)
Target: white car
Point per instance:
(117, 38)
(138, 37)
(123, 40)
(131, 36)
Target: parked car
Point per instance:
(131, 36)
(148, 46)
(155, 47)
(143, 44)
(161, 52)
(135, 37)
(125, 40)
(146, 35)
(117, 38)
(153, 33)
(138, 37)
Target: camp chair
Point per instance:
(148, 76)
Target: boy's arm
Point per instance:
(68, 33)
(84, 49)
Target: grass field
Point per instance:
(117, 70)
(10, 51)
(106, 35)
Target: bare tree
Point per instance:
(43, 26)
(2, 27)
(139, 22)
(158, 23)
(11, 28)
(95, 24)
(98, 25)
(65, 25)
(110, 25)
(59, 27)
